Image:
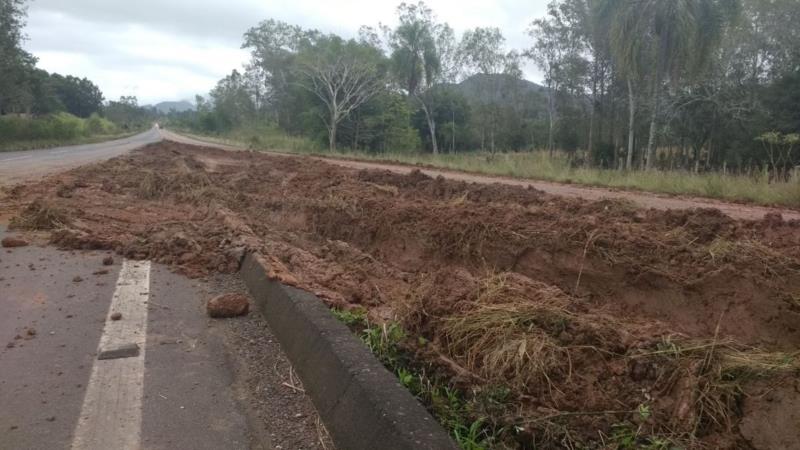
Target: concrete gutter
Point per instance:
(362, 405)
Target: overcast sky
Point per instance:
(173, 49)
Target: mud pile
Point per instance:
(605, 323)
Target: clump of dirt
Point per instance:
(604, 322)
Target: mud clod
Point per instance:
(13, 242)
(228, 305)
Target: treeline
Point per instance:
(692, 84)
(35, 104)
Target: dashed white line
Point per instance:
(111, 416)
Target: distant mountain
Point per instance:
(472, 86)
(166, 107)
(503, 89)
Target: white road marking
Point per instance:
(111, 416)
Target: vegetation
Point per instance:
(39, 109)
(700, 93)
(23, 133)
(390, 344)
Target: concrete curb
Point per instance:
(362, 405)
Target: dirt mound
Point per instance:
(602, 323)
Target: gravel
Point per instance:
(282, 415)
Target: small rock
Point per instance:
(12, 242)
(228, 305)
(116, 316)
(108, 261)
(101, 272)
(10, 345)
(77, 279)
(31, 332)
(123, 351)
(51, 419)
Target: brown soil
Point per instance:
(600, 317)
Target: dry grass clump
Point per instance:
(549, 349)
(772, 262)
(40, 215)
(712, 377)
(151, 187)
(184, 185)
(523, 334)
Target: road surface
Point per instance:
(57, 394)
(195, 383)
(25, 165)
(641, 199)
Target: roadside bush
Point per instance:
(98, 125)
(55, 127)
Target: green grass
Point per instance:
(541, 166)
(451, 408)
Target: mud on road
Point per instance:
(601, 323)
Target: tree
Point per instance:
(16, 65)
(483, 53)
(419, 45)
(671, 38)
(558, 53)
(79, 96)
(343, 75)
(781, 152)
(274, 47)
(232, 101)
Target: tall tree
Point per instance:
(671, 38)
(498, 71)
(343, 75)
(418, 44)
(16, 65)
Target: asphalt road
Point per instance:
(50, 335)
(25, 165)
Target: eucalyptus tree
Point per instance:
(423, 56)
(670, 39)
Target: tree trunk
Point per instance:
(651, 142)
(551, 113)
(332, 132)
(591, 113)
(453, 131)
(631, 125)
(332, 138)
(431, 125)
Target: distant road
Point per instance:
(19, 166)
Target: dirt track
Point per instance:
(586, 312)
(641, 199)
